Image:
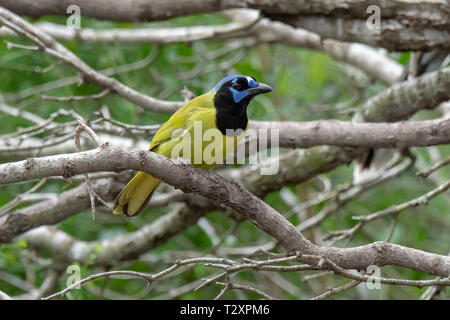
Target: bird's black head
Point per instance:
(232, 96)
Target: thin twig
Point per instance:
(77, 98)
(92, 194)
(233, 286)
(433, 168)
(134, 274)
(422, 200)
(333, 291)
(17, 200)
(400, 282)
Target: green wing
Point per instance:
(181, 119)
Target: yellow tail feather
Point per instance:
(136, 194)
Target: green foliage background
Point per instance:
(307, 85)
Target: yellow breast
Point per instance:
(191, 133)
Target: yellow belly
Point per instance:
(191, 133)
(203, 145)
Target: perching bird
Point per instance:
(222, 111)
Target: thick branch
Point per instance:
(403, 99)
(321, 159)
(361, 56)
(427, 12)
(230, 194)
(108, 158)
(112, 251)
(55, 210)
(364, 135)
(405, 25)
(391, 34)
(290, 135)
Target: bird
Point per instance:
(222, 112)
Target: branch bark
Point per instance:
(287, 135)
(403, 99)
(234, 196)
(392, 34)
(426, 12)
(405, 25)
(111, 251)
(55, 210)
(375, 64)
(358, 134)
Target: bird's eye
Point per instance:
(236, 86)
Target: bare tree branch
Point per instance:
(428, 12)
(367, 59)
(48, 45)
(422, 200)
(287, 135)
(403, 99)
(211, 185)
(405, 25)
(333, 291)
(433, 168)
(332, 157)
(358, 134)
(392, 34)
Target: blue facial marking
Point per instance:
(252, 83)
(238, 95)
(217, 87)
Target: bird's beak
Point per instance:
(261, 88)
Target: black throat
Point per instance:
(230, 115)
